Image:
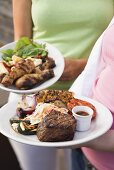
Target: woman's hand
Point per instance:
(73, 67)
(102, 143)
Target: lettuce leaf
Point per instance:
(7, 54)
(24, 48)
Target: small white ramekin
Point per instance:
(83, 122)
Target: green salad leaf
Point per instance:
(24, 48)
(24, 41)
(7, 54)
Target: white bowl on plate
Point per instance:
(83, 116)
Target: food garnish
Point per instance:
(25, 48)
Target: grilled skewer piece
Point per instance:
(29, 80)
(48, 64)
(21, 68)
(2, 75)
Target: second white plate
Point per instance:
(99, 126)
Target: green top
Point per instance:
(72, 26)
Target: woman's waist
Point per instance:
(103, 88)
(99, 158)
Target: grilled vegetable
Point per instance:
(23, 127)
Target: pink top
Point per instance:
(103, 91)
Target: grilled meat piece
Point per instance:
(7, 80)
(37, 70)
(2, 75)
(52, 95)
(56, 127)
(21, 68)
(29, 80)
(49, 63)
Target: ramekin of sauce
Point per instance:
(83, 116)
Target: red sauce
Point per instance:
(82, 113)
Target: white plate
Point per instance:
(58, 70)
(99, 126)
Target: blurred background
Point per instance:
(6, 25)
(7, 156)
(6, 33)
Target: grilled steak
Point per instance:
(56, 127)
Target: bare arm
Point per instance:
(22, 18)
(23, 27)
(73, 67)
(103, 143)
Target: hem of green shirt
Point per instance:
(61, 85)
